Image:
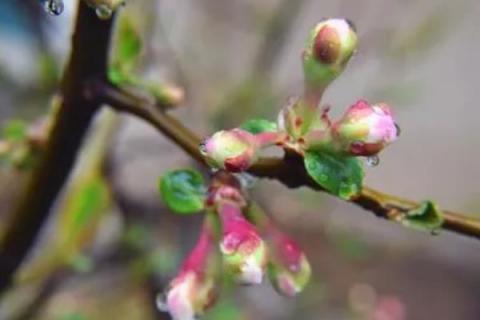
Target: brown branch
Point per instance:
(90, 47)
(290, 170)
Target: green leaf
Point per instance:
(15, 130)
(84, 205)
(259, 125)
(426, 217)
(129, 43)
(341, 176)
(183, 191)
(117, 76)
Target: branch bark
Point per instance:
(88, 60)
(290, 170)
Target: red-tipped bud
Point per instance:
(194, 289)
(365, 130)
(288, 268)
(244, 252)
(234, 150)
(331, 44)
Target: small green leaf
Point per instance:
(117, 76)
(256, 126)
(84, 205)
(341, 176)
(183, 191)
(129, 43)
(15, 130)
(426, 217)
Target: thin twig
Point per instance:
(290, 170)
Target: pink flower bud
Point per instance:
(244, 252)
(329, 47)
(234, 150)
(194, 288)
(288, 269)
(365, 130)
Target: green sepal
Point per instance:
(183, 191)
(259, 125)
(426, 217)
(341, 176)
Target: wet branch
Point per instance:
(290, 170)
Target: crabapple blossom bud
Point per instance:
(288, 268)
(244, 252)
(234, 150)
(329, 47)
(364, 130)
(194, 289)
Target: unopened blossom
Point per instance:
(234, 150)
(288, 268)
(329, 47)
(244, 252)
(365, 129)
(195, 287)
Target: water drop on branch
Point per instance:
(53, 7)
(104, 12)
(373, 161)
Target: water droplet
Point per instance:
(104, 12)
(373, 161)
(203, 147)
(161, 302)
(399, 130)
(53, 7)
(247, 181)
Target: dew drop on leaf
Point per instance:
(373, 161)
(247, 181)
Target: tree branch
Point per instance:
(290, 170)
(90, 47)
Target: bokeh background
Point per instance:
(239, 59)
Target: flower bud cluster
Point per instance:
(241, 245)
(364, 129)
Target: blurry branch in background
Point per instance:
(88, 59)
(290, 170)
(277, 32)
